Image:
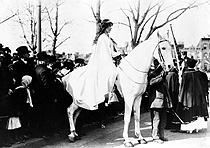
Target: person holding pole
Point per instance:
(192, 106)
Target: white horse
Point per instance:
(132, 83)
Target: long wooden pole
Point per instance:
(176, 54)
(39, 27)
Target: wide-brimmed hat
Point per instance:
(22, 50)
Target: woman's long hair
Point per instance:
(103, 25)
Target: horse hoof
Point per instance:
(71, 138)
(128, 144)
(77, 138)
(142, 141)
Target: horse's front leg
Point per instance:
(70, 111)
(127, 117)
(137, 108)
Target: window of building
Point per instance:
(204, 46)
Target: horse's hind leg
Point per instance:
(136, 107)
(70, 111)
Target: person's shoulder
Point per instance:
(201, 73)
(17, 64)
(103, 36)
(39, 68)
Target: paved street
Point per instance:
(111, 136)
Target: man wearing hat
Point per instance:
(22, 66)
(48, 100)
(43, 76)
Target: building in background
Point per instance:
(201, 52)
(204, 48)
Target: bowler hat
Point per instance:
(41, 56)
(22, 50)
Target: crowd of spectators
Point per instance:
(33, 100)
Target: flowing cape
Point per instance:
(90, 83)
(192, 99)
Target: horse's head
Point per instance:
(163, 53)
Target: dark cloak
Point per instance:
(192, 101)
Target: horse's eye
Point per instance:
(163, 48)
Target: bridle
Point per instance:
(146, 71)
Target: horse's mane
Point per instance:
(141, 56)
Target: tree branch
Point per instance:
(24, 34)
(8, 18)
(129, 22)
(62, 42)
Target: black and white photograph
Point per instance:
(104, 73)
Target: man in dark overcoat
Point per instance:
(158, 103)
(22, 66)
(44, 101)
(173, 89)
(50, 95)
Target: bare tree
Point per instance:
(96, 11)
(56, 30)
(28, 23)
(137, 23)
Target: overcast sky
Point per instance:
(189, 28)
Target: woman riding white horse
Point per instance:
(131, 81)
(89, 84)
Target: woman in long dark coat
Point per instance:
(192, 98)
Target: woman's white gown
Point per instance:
(89, 84)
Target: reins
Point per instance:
(135, 68)
(130, 78)
(141, 71)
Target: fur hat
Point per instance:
(191, 62)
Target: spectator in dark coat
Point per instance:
(159, 102)
(173, 89)
(192, 103)
(44, 100)
(6, 86)
(21, 66)
(50, 96)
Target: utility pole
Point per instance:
(39, 27)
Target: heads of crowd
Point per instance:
(5, 57)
